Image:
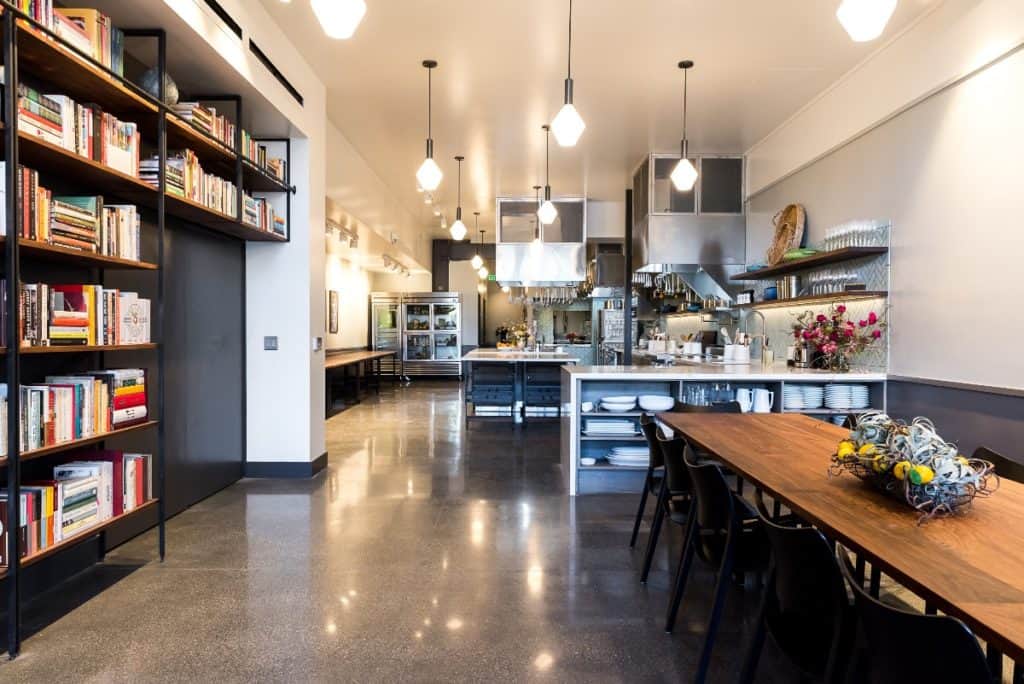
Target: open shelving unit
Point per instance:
(30, 50)
(807, 263)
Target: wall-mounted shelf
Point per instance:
(256, 179)
(43, 250)
(817, 299)
(78, 443)
(820, 259)
(84, 348)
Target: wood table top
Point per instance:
(970, 565)
(352, 357)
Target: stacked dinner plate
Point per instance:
(859, 395)
(814, 396)
(634, 456)
(610, 428)
(793, 397)
(618, 404)
(846, 397)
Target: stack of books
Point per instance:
(93, 488)
(73, 407)
(186, 178)
(257, 154)
(74, 222)
(259, 213)
(85, 130)
(40, 10)
(208, 121)
(90, 31)
(55, 315)
(120, 232)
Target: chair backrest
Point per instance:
(1005, 468)
(725, 407)
(807, 606)
(713, 505)
(649, 427)
(904, 646)
(676, 477)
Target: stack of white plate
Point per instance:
(839, 420)
(612, 428)
(618, 404)
(792, 397)
(814, 396)
(838, 397)
(859, 395)
(634, 456)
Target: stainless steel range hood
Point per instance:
(540, 256)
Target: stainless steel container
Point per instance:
(802, 358)
(789, 287)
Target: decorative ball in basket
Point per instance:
(912, 462)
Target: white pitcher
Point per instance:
(745, 398)
(763, 400)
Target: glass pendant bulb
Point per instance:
(429, 175)
(568, 126)
(684, 176)
(547, 212)
(477, 261)
(506, 289)
(339, 18)
(865, 20)
(458, 230)
(482, 272)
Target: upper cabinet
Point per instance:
(517, 221)
(719, 188)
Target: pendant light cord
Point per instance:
(685, 83)
(460, 185)
(547, 155)
(430, 99)
(570, 39)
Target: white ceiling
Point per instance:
(502, 65)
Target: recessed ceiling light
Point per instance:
(339, 18)
(865, 20)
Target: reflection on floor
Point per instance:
(423, 553)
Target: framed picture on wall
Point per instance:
(332, 311)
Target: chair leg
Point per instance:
(652, 541)
(721, 590)
(642, 508)
(1018, 673)
(682, 573)
(875, 582)
(995, 662)
(753, 656)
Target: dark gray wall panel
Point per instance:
(969, 418)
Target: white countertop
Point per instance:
(498, 356)
(752, 373)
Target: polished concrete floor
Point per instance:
(423, 553)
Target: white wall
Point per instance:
(463, 279)
(391, 282)
(352, 284)
(946, 171)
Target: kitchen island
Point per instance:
(513, 385)
(585, 435)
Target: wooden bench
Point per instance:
(366, 366)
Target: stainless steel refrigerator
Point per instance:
(424, 327)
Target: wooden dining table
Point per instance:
(970, 565)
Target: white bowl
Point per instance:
(587, 406)
(618, 400)
(618, 408)
(656, 402)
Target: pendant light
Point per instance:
(478, 260)
(685, 174)
(547, 212)
(568, 125)
(339, 18)
(458, 229)
(536, 225)
(429, 174)
(865, 20)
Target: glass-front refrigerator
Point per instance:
(386, 329)
(432, 333)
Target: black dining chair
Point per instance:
(674, 495)
(652, 480)
(723, 530)
(681, 494)
(904, 646)
(804, 607)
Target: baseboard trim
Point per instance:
(286, 469)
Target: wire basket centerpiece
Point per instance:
(912, 462)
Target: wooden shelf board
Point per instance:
(78, 443)
(255, 179)
(83, 348)
(84, 534)
(816, 299)
(820, 259)
(45, 59)
(50, 159)
(66, 254)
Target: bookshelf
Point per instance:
(32, 51)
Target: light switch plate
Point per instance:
(270, 343)
(318, 343)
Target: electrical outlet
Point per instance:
(270, 343)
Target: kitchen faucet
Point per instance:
(764, 328)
